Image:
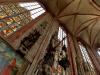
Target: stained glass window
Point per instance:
(22, 16)
(8, 21)
(16, 18)
(27, 14)
(87, 63)
(7, 31)
(62, 36)
(2, 14)
(15, 15)
(7, 10)
(2, 24)
(13, 8)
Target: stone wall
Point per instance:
(38, 51)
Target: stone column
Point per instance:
(72, 56)
(79, 57)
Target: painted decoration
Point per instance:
(10, 62)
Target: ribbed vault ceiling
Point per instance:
(80, 17)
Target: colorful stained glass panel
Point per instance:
(2, 14)
(8, 21)
(7, 31)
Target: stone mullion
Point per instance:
(79, 57)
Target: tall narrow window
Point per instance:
(85, 54)
(88, 66)
(62, 36)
